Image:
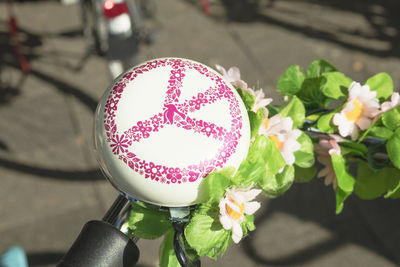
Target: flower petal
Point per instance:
(226, 222)
(355, 134)
(237, 232)
(240, 84)
(221, 70)
(234, 74)
(364, 123)
(251, 207)
(288, 157)
(251, 194)
(324, 172)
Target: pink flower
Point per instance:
(208, 129)
(119, 144)
(153, 171)
(236, 203)
(327, 146)
(232, 76)
(174, 174)
(142, 128)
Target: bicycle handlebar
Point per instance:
(100, 244)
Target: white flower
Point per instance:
(260, 100)
(358, 112)
(388, 105)
(326, 147)
(236, 203)
(281, 132)
(232, 76)
(394, 102)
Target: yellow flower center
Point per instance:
(355, 114)
(233, 213)
(266, 123)
(277, 142)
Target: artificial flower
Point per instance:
(388, 105)
(358, 112)
(232, 208)
(232, 76)
(394, 102)
(327, 146)
(281, 132)
(260, 100)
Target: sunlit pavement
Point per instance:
(50, 182)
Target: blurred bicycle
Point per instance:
(115, 29)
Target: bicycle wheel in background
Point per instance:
(94, 27)
(115, 29)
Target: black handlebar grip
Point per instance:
(101, 245)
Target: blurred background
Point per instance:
(50, 181)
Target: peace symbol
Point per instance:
(174, 113)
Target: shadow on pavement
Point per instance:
(314, 203)
(323, 20)
(51, 258)
(11, 89)
(29, 41)
(70, 175)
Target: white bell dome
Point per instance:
(162, 126)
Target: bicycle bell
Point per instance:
(163, 125)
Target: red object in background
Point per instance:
(112, 10)
(13, 29)
(206, 7)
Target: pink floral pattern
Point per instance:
(175, 113)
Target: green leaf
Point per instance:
(393, 148)
(272, 110)
(213, 187)
(304, 175)
(357, 149)
(148, 222)
(325, 124)
(166, 253)
(248, 222)
(296, 111)
(381, 132)
(382, 83)
(256, 119)
(276, 185)
(311, 93)
(291, 81)
(391, 118)
(304, 156)
(345, 180)
(249, 172)
(336, 85)
(264, 149)
(370, 184)
(206, 236)
(248, 99)
(340, 198)
(318, 67)
(313, 117)
(393, 183)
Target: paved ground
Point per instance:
(50, 183)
